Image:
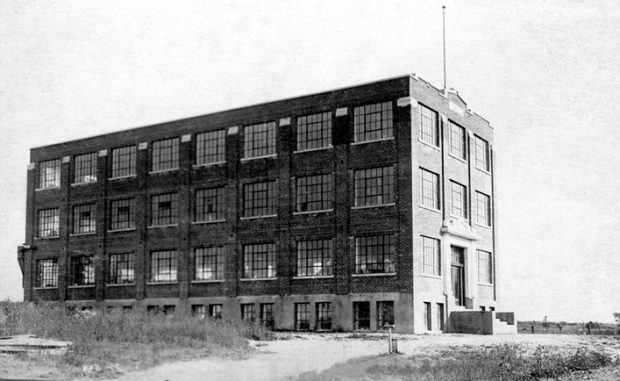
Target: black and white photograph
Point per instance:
(310, 190)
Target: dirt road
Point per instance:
(294, 354)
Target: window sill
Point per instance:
(314, 277)
(429, 145)
(373, 206)
(457, 158)
(372, 141)
(485, 284)
(82, 286)
(45, 288)
(258, 217)
(81, 234)
(205, 165)
(162, 226)
(44, 238)
(487, 227)
(372, 275)
(313, 212)
(42, 189)
(84, 183)
(122, 177)
(254, 279)
(161, 283)
(208, 222)
(120, 284)
(431, 276)
(460, 218)
(314, 149)
(243, 159)
(122, 230)
(483, 170)
(163, 171)
(208, 281)
(430, 209)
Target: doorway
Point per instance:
(458, 274)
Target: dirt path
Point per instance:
(295, 354)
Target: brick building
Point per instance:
(350, 209)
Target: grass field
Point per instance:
(111, 342)
(567, 328)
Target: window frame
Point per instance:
(173, 265)
(115, 272)
(253, 195)
(161, 160)
(210, 253)
(81, 264)
(77, 225)
(367, 181)
(123, 162)
(436, 135)
(251, 270)
(482, 162)
(201, 206)
(305, 193)
(206, 141)
(116, 223)
(324, 316)
(248, 312)
(155, 216)
(385, 308)
(325, 255)
(457, 149)
(487, 217)
(434, 268)
(307, 127)
(49, 180)
(85, 165)
(254, 146)
(424, 192)
(485, 267)
(361, 125)
(387, 254)
(302, 316)
(55, 223)
(40, 273)
(458, 210)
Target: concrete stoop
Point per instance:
(482, 322)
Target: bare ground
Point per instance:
(293, 354)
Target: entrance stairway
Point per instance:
(482, 322)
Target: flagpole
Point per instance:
(445, 86)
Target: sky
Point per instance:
(546, 74)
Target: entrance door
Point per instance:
(458, 275)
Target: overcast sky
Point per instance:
(545, 73)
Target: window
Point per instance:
(385, 314)
(485, 267)
(323, 316)
(82, 271)
(85, 168)
(374, 186)
(361, 315)
(483, 209)
(215, 311)
(314, 131)
(431, 259)
(428, 323)
(429, 128)
(266, 315)
(124, 161)
(169, 309)
(248, 312)
(259, 199)
(164, 209)
(458, 200)
(166, 154)
(429, 189)
(210, 205)
(481, 147)
(48, 223)
(374, 254)
(440, 318)
(49, 174)
(122, 214)
(373, 122)
(121, 268)
(314, 193)
(259, 140)
(458, 141)
(84, 219)
(163, 266)
(209, 263)
(199, 310)
(314, 258)
(302, 316)
(47, 273)
(210, 147)
(259, 260)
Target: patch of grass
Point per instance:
(110, 341)
(500, 362)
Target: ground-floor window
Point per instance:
(248, 312)
(361, 315)
(302, 316)
(152, 309)
(199, 310)
(427, 316)
(127, 308)
(169, 309)
(440, 316)
(385, 314)
(323, 316)
(266, 315)
(82, 271)
(215, 311)
(47, 273)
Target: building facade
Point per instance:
(352, 209)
